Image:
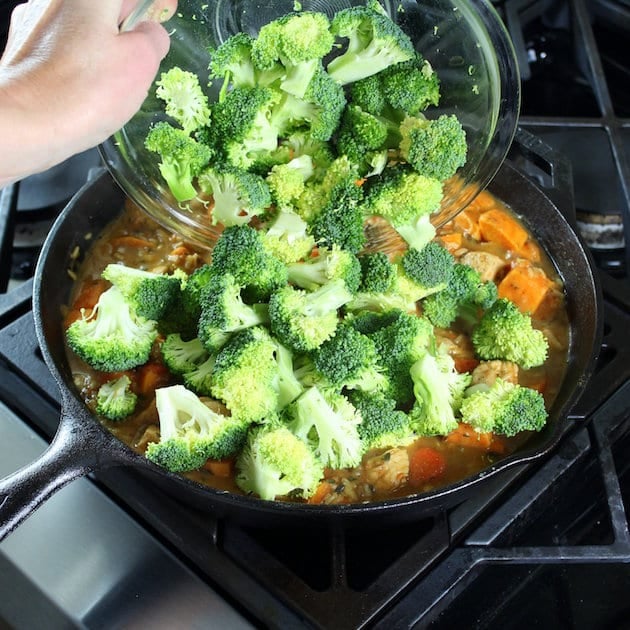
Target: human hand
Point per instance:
(69, 78)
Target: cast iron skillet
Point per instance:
(82, 445)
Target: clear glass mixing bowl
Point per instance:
(464, 40)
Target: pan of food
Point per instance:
(342, 349)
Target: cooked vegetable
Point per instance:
(115, 400)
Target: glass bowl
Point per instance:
(464, 40)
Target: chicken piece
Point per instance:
(488, 372)
(387, 471)
(488, 265)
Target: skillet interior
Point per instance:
(100, 201)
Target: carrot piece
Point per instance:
(181, 250)
(465, 364)
(467, 436)
(89, 294)
(321, 492)
(468, 224)
(151, 376)
(498, 226)
(426, 463)
(220, 467)
(452, 241)
(131, 241)
(526, 286)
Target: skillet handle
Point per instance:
(73, 453)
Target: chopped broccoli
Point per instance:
(182, 158)
(223, 312)
(276, 463)
(232, 61)
(184, 98)
(150, 294)
(298, 41)
(237, 195)
(328, 422)
(465, 295)
(287, 383)
(417, 232)
(503, 408)
(192, 290)
(181, 356)
(359, 134)
(199, 378)
(286, 181)
(504, 332)
(329, 264)
(434, 148)
(113, 337)
(401, 195)
(240, 251)
(375, 42)
(438, 390)
(349, 360)
(368, 94)
(410, 86)
(303, 320)
(242, 126)
(378, 274)
(286, 237)
(431, 267)
(401, 339)
(115, 400)
(245, 375)
(383, 425)
(191, 432)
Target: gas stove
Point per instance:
(541, 545)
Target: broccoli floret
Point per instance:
(276, 463)
(245, 375)
(300, 143)
(360, 133)
(199, 378)
(401, 339)
(113, 337)
(410, 87)
(329, 264)
(504, 332)
(181, 356)
(287, 383)
(438, 389)
(318, 112)
(417, 232)
(383, 425)
(298, 41)
(184, 98)
(368, 94)
(286, 181)
(237, 195)
(150, 294)
(191, 432)
(434, 148)
(232, 62)
(503, 408)
(242, 125)
(339, 224)
(182, 158)
(431, 267)
(240, 251)
(328, 422)
(191, 293)
(378, 274)
(287, 238)
(349, 360)
(223, 312)
(115, 400)
(303, 320)
(465, 296)
(375, 42)
(402, 195)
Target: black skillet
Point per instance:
(82, 445)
